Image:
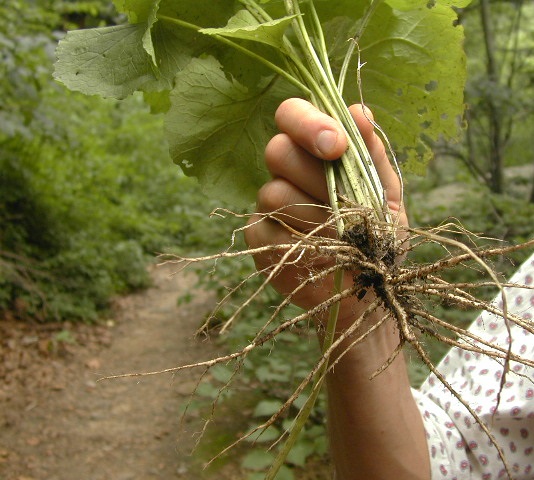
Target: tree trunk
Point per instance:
(495, 122)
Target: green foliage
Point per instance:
(91, 201)
(221, 105)
(499, 92)
(88, 193)
(450, 192)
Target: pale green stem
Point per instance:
(288, 52)
(321, 44)
(304, 413)
(333, 104)
(260, 14)
(349, 182)
(366, 187)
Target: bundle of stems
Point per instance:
(354, 177)
(352, 180)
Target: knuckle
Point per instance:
(277, 151)
(289, 105)
(272, 196)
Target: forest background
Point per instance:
(89, 195)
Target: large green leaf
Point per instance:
(116, 61)
(217, 129)
(110, 61)
(412, 76)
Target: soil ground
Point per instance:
(58, 422)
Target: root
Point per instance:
(370, 252)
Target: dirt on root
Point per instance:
(57, 422)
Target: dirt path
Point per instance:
(58, 423)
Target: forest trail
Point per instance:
(58, 423)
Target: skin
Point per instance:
(375, 428)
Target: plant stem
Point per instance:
(260, 14)
(354, 176)
(365, 188)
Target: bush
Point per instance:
(88, 193)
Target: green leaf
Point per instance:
(266, 408)
(148, 45)
(109, 61)
(174, 45)
(413, 74)
(300, 401)
(320, 443)
(285, 473)
(265, 373)
(217, 129)
(222, 373)
(208, 390)
(116, 61)
(257, 460)
(270, 434)
(244, 26)
(300, 452)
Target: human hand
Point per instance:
(369, 420)
(295, 160)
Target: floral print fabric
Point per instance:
(459, 448)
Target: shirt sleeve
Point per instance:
(459, 449)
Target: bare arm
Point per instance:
(376, 431)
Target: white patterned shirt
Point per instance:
(459, 449)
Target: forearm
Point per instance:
(376, 430)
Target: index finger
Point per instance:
(313, 130)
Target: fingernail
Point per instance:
(326, 141)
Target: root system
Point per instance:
(373, 253)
